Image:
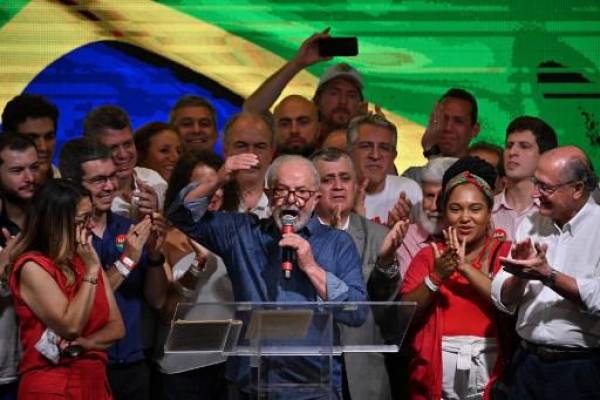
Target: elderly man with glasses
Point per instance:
(552, 280)
(327, 265)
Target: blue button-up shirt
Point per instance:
(129, 295)
(249, 247)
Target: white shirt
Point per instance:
(545, 317)
(378, 205)
(149, 177)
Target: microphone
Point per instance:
(287, 262)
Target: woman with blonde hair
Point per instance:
(67, 313)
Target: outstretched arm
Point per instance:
(263, 98)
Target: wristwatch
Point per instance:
(550, 279)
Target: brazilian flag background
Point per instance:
(518, 57)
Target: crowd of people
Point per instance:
(494, 245)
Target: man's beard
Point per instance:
(430, 225)
(301, 216)
(305, 151)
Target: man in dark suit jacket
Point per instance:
(365, 373)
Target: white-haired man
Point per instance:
(328, 265)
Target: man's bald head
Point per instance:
(296, 125)
(572, 164)
(564, 179)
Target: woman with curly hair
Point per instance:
(456, 341)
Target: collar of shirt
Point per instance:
(575, 223)
(500, 202)
(344, 227)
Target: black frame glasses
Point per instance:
(548, 189)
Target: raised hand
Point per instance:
(201, 253)
(136, 238)
(434, 128)
(147, 199)
(400, 211)
(158, 233)
(308, 53)
(84, 248)
(359, 200)
(459, 247)
(235, 163)
(336, 218)
(522, 250)
(392, 241)
(445, 262)
(535, 267)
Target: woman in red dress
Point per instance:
(456, 344)
(67, 314)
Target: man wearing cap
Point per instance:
(338, 98)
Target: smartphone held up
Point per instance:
(338, 46)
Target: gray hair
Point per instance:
(331, 154)
(245, 114)
(580, 169)
(372, 119)
(276, 165)
(434, 171)
(191, 100)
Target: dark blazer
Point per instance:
(366, 372)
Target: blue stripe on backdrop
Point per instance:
(145, 84)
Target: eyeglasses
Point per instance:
(370, 146)
(100, 180)
(547, 189)
(283, 192)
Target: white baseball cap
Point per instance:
(342, 70)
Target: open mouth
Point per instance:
(291, 213)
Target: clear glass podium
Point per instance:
(287, 350)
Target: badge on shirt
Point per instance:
(120, 242)
(500, 234)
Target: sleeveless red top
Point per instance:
(31, 327)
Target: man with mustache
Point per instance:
(452, 125)
(552, 282)
(372, 144)
(327, 264)
(527, 138)
(376, 246)
(250, 133)
(34, 116)
(296, 126)
(196, 121)
(19, 176)
(338, 97)
(141, 191)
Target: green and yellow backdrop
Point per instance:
(518, 57)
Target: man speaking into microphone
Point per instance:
(326, 266)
